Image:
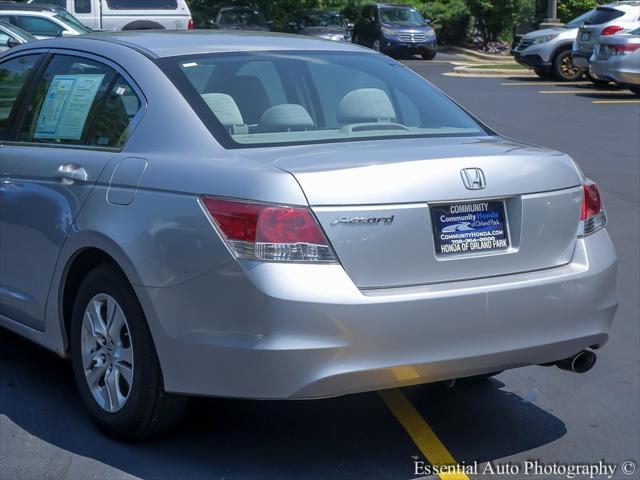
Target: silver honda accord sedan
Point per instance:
(279, 217)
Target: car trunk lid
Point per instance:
(376, 202)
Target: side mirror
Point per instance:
(427, 21)
(350, 26)
(293, 25)
(66, 33)
(12, 42)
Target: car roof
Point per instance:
(172, 43)
(28, 7)
(621, 5)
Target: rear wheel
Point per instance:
(114, 360)
(564, 69)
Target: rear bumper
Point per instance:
(296, 331)
(615, 70)
(581, 59)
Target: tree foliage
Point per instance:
(493, 18)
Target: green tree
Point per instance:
(451, 19)
(493, 18)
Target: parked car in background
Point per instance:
(395, 29)
(548, 51)
(617, 59)
(238, 18)
(327, 25)
(607, 20)
(12, 36)
(199, 215)
(41, 21)
(128, 14)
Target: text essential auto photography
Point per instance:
(422, 218)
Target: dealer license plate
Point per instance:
(470, 227)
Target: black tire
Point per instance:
(148, 410)
(430, 55)
(596, 82)
(563, 68)
(635, 89)
(543, 74)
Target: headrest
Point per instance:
(286, 117)
(366, 105)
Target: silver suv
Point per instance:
(607, 20)
(548, 51)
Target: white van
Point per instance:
(128, 14)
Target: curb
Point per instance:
(483, 56)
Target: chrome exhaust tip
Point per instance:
(581, 362)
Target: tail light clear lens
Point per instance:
(191, 25)
(269, 233)
(611, 30)
(592, 213)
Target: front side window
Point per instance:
(13, 77)
(82, 6)
(402, 16)
(313, 97)
(142, 4)
(79, 102)
(39, 26)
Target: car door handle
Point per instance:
(71, 172)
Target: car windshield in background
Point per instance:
(18, 32)
(320, 19)
(278, 98)
(603, 15)
(72, 21)
(403, 16)
(579, 21)
(249, 18)
(142, 4)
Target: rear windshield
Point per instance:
(283, 98)
(142, 4)
(579, 21)
(604, 15)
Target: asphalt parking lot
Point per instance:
(535, 413)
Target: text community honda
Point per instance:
(207, 213)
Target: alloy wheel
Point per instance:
(107, 353)
(567, 68)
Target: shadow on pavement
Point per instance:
(344, 438)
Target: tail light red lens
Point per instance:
(625, 49)
(191, 25)
(592, 214)
(611, 30)
(270, 233)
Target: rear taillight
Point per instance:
(592, 213)
(269, 233)
(190, 25)
(624, 49)
(611, 30)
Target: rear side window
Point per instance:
(604, 15)
(13, 77)
(39, 26)
(79, 102)
(142, 4)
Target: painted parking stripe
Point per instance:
(420, 432)
(604, 102)
(588, 92)
(543, 84)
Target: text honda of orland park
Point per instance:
(215, 214)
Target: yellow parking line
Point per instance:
(542, 84)
(421, 433)
(600, 102)
(588, 92)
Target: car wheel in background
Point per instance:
(635, 89)
(563, 68)
(377, 45)
(544, 74)
(114, 360)
(596, 82)
(430, 55)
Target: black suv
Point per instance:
(395, 28)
